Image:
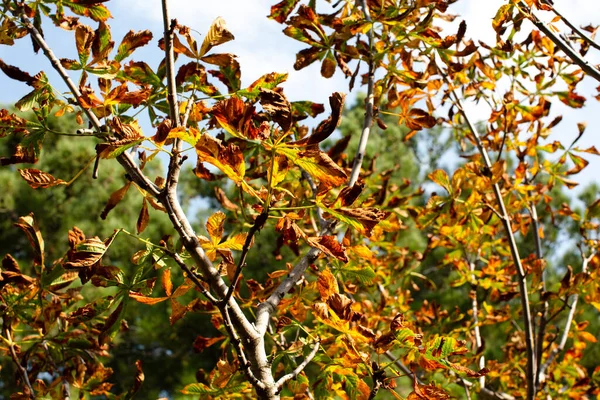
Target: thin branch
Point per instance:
(269, 306)
(168, 33)
(174, 162)
(15, 357)
(539, 344)
(522, 277)
(258, 224)
(369, 104)
(476, 328)
(567, 328)
(578, 31)
(313, 188)
(294, 374)
(192, 276)
(235, 339)
(568, 50)
(188, 111)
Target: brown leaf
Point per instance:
(224, 200)
(277, 107)
(201, 343)
(281, 10)
(15, 73)
(327, 127)
(39, 179)
(330, 246)
(114, 199)
(132, 41)
(143, 218)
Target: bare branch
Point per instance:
(476, 328)
(192, 277)
(505, 219)
(369, 105)
(169, 31)
(258, 224)
(568, 50)
(567, 328)
(292, 375)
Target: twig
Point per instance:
(188, 111)
(568, 50)
(476, 328)
(505, 219)
(402, 367)
(313, 188)
(258, 224)
(13, 354)
(567, 327)
(294, 374)
(192, 276)
(539, 344)
(174, 163)
(369, 106)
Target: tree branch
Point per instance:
(505, 219)
(258, 224)
(369, 105)
(192, 277)
(476, 328)
(15, 358)
(292, 375)
(239, 349)
(568, 50)
(566, 329)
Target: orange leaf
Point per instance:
(145, 299)
(327, 284)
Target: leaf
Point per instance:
(15, 73)
(327, 284)
(143, 218)
(29, 225)
(39, 179)
(328, 126)
(85, 254)
(268, 81)
(330, 246)
(281, 10)
(317, 164)
(440, 177)
(229, 70)
(239, 119)
(328, 66)
(215, 226)
(217, 34)
(114, 199)
(131, 42)
(277, 107)
(140, 298)
(229, 159)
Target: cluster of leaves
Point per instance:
(357, 297)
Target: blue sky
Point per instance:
(262, 48)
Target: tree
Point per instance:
(352, 314)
